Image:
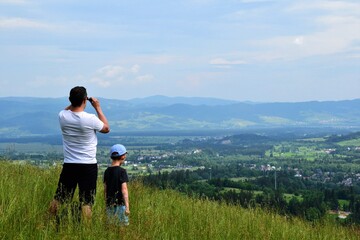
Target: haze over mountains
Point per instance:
(25, 116)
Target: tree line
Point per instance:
(310, 200)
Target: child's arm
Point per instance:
(124, 191)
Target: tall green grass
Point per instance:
(25, 193)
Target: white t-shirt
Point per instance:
(79, 136)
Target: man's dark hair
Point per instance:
(77, 96)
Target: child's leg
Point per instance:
(122, 216)
(111, 215)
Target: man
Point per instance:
(79, 144)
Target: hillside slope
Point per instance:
(155, 214)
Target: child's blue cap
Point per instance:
(117, 150)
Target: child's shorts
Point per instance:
(116, 215)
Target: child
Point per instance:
(115, 187)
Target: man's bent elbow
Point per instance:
(105, 129)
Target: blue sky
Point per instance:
(246, 50)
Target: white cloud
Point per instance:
(144, 78)
(135, 68)
(299, 40)
(354, 56)
(21, 23)
(110, 71)
(100, 82)
(15, 2)
(222, 61)
(337, 26)
(337, 6)
(112, 75)
(57, 37)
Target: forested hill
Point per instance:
(23, 116)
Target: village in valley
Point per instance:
(244, 162)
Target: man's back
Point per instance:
(79, 136)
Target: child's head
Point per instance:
(118, 152)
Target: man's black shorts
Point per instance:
(73, 174)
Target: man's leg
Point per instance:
(54, 207)
(86, 212)
(87, 189)
(65, 189)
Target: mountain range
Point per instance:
(25, 116)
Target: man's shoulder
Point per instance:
(62, 112)
(89, 117)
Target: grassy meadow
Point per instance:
(25, 193)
